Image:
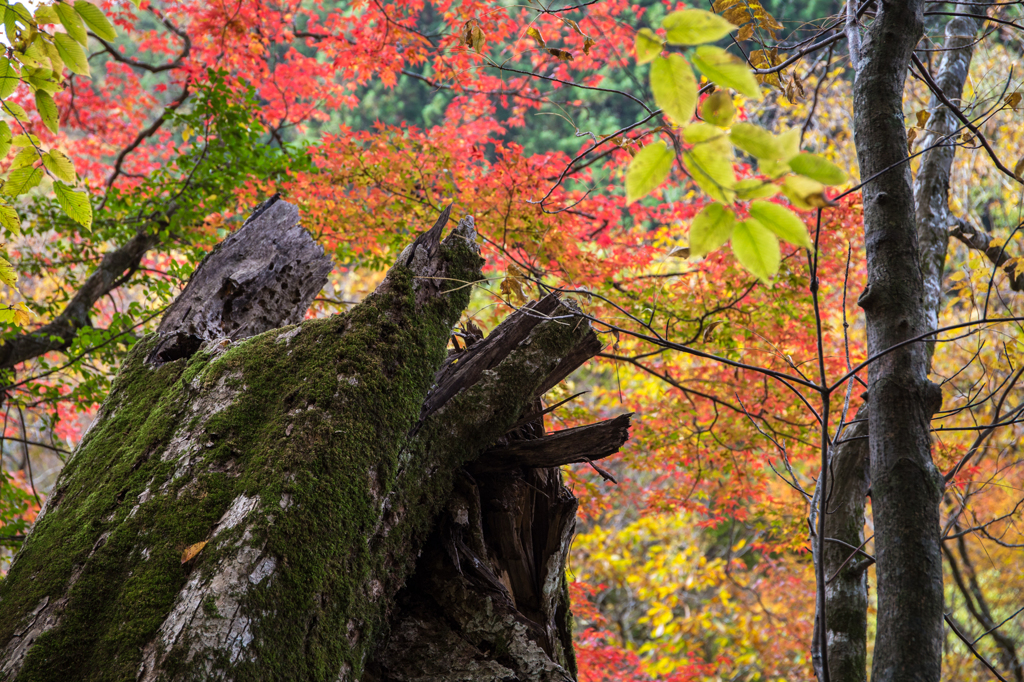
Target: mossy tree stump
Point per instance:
(252, 497)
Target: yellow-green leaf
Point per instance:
(710, 228)
(46, 15)
(8, 78)
(817, 168)
(72, 54)
(726, 70)
(647, 170)
(71, 22)
(15, 110)
(22, 180)
(26, 141)
(700, 131)
(674, 87)
(9, 219)
(95, 20)
(804, 193)
(75, 204)
(718, 109)
(648, 45)
(756, 141)
(695, 27)
(756, 249)
(21, 315)
(26, 157)
(9, 277)
(783, 222)
(60, 165)
(752, 188)
(47, 110)
(710, 163)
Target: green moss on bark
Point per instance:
(314, 421)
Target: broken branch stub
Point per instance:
(262, 276)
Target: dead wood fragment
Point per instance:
(571, 446)
(263, 276)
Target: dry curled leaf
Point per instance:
(562, 55)
(190, 552)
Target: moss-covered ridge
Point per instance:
(311, 423)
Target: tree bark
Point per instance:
(906, 487)
(847, 592)
(846, 589)
(248, 509)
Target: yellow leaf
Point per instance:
(1012, 100)
(562, 55)
(1018, 170)
(191, 551)
(922, 117)
(535, 34)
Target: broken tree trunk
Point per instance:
(249, 508)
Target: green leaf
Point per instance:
(8, 78)
(756, 141)
(47, 110)
(711, 228)
(674, 88)
(783, 222)
(95, 20)
(5, 139)
(756, 249)
(137, 3)
(60, 165)
(22, 180)
(726, 70)
(647, 170)
(26, 141)
(72, 54)
(718, 109)
(648, 46)
(710, 162)
(26, 157)
(752, 188)
(46, 15)
(71, 22)
(817, 168)
(804, 193)
(15, 110)
(698, 132)
(695, 27)
(9, 277)
(9, 219)
(75, 204)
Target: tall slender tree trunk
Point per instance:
(847, 591)
(906, 488)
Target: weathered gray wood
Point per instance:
(263, 276)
